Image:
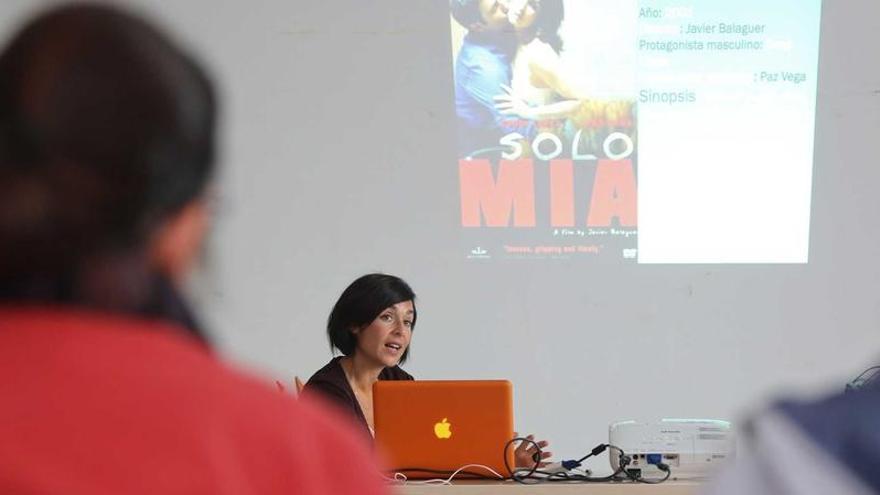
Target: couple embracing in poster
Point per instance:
(533, 84)
(510, 77)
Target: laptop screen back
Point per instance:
(443, 425)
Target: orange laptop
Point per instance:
(443, 425)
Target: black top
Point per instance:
(331, 383)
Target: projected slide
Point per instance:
(635, 131)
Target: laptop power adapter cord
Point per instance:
(401, 478)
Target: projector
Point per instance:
(692, 448)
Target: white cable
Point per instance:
(398, 478)
(401, 478)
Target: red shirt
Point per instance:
(100, 404)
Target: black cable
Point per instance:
(623, 461)
(538, 453)
(596, 451)
(638, 478)
(648, 481)
(567, 477)
(563, 476)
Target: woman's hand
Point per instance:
(508, 103)
(525, 455)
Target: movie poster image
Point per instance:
(545, 104)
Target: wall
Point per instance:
(338, 159)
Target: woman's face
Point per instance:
(522, 13)
(387, 337)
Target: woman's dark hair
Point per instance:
(360, 304)
(106, 130)
(550, 14)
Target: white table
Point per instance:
(473, 487)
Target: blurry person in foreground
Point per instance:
(829, 446)
(107, 383)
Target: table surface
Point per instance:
(473, 487)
